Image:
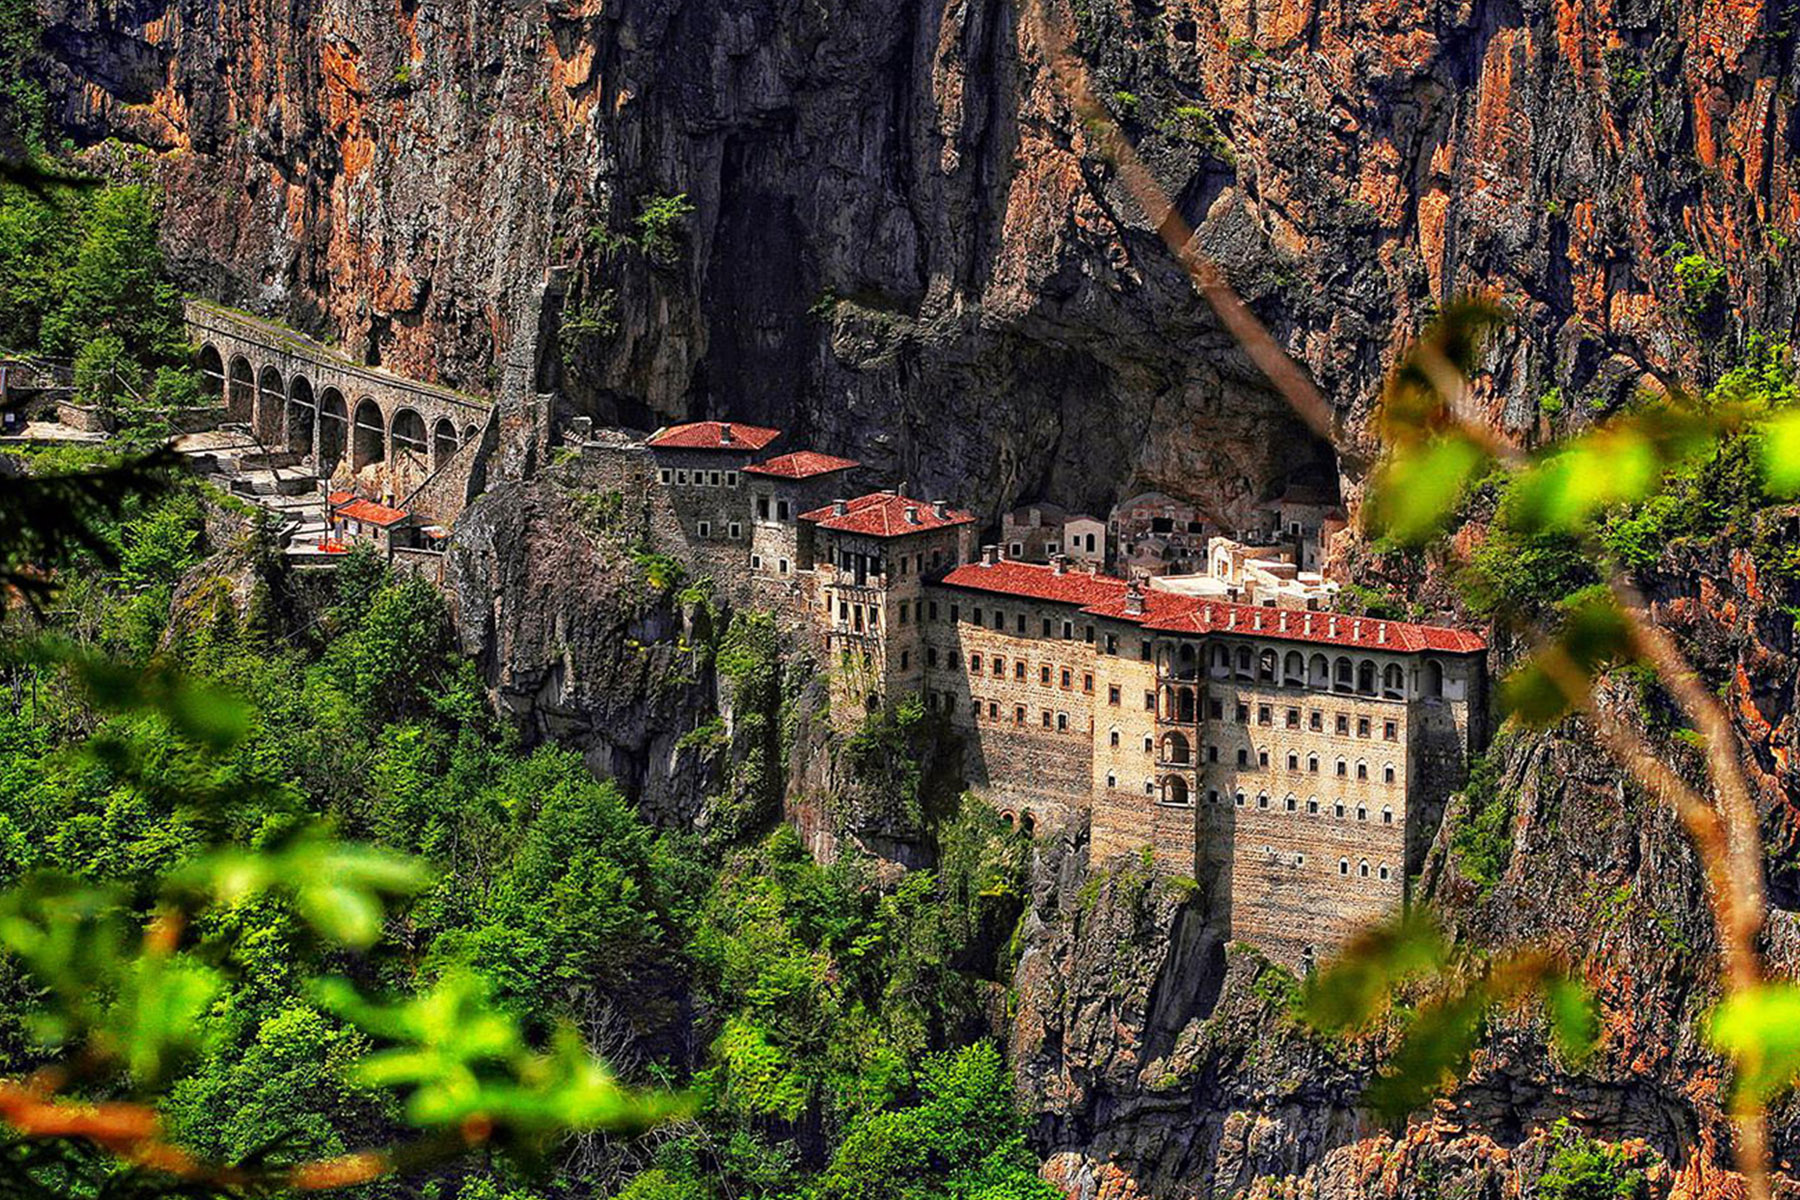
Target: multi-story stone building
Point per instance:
(1293, 762)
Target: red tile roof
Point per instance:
(884, 514)
(713, 435)
(801, 464)
(337, 498)
(373, 513)
(1170, 612)
(1037, 582)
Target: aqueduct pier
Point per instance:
(301, 396)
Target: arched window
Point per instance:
(1175, 748)
(408, 434)
(1112, 780)
(1363, 868)
(1343, 675)
(1393, 682)
(1384, 872)
(1362, 769)
(1362, 812)
(1312, 805)
(1293, 802)
(1387, 816)
(1312, 763)
(1175, 790)
(1240, 799)
(1343, 768)
(1387, 773)
(1293, 669)
(1293, 760)
(1318, 672)
(443, 443)
(1265, 666)
(1244, 669)
(1337, 809)
(1343, 866)
(1262, 800)
(1365, 677)
(1187, 661)
(1434, 677)
(1218, 660)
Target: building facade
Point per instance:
(1293, 762)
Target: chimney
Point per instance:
(1309, 622)
(990, 555)
(912, 514)
(1282, 620)
(839, 507)
(1256, 619)
(1356, 631)
(1334, 631)
(940, 509)
(1134, 599)
(725, 431)
(1381, 633)
(1060, 562)
(1231, 621)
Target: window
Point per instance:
(706, 529)
(1265, 715)
(933, 610)
(1343, 866)
(1362, 813)
(1362, 727)
(1019, 670)
(1046, 718)
(999, 666)
(737, 530)
(762, 507)
(954, 660)
(1343, 725)
(975, 664)
(1019, 624)
(1299, 860)
(1212, 754)
(1293, 718)
(1312, 805)
(1390, 731)
(1343, 769)
(975, 617)
(1148, 742)
(1316, 721)
(1052, 547)
(1149, 787)
(1387, 773)
(1312, 763)
(681, 477)
(663, 475)
(1046, 626)
(1112, 694)
(1087, 683)
(1243, 757)
(1044, 674)
(1112, 780)
(1337, 810)
(1062, 722)
(1243, 714)
(1144, 650)
(1292, 803)
(1067, 676)
(1068, 631)
(1262, 800)
(781, 510)
(1015, 550)
(713, 478)
(731, 479)
(1018, 714)
(1115, 737)
(756, 562)
(783, 566)
(904, 611)
(1362, 770)
(1262, 759)
(905, 659)
(931, 656)
(1212, 796)
(1363, 869)
(1293, 760)
(1215, 709)
(1240, 799)
(955, 612)
(1387, 816)
(1149, 701)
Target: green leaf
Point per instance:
(1759, 1030)
(1781, 454)
(1574, 1018)
(1418, 489)
(1350, 992)
(1436, 1050)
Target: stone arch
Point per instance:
(1293, 669)
(1393, 682)
(1174, 790)
(1027, 822)
(240, 391)
(368, 435)
(1187, 660)
(1343, 675)
(1265, 666)
(1218, 660)
(1175, 748)
(303, 415)
(1245, 668)
(1365, 677)
(1318, 672)
(443, 443)
(470, 433)
(271, 400)
(406, 437)
(334, 431)
(1434, 678)
(212, 371)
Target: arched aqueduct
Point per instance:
(307, 399)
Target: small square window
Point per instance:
(1044, 674)
(1390, 731)
(1046, 713)
(706, 529)
(905, 659)
(1265, 715)
(1293, 718)
(1115, 737)
(1316, 721)
(1062, 722)
(664, 475)
(713, 478)
(783, 566)
(1149, 701)
(994, 709)
(736, 531)
(731, 479)
(1343, 725)
(1243, 714)
(1149, 788)
(1019, 670)
(1018, 714)
(756, 562)
(681, 477)
(1112, 694)
(1362, 727)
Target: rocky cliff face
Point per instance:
(902, 245)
